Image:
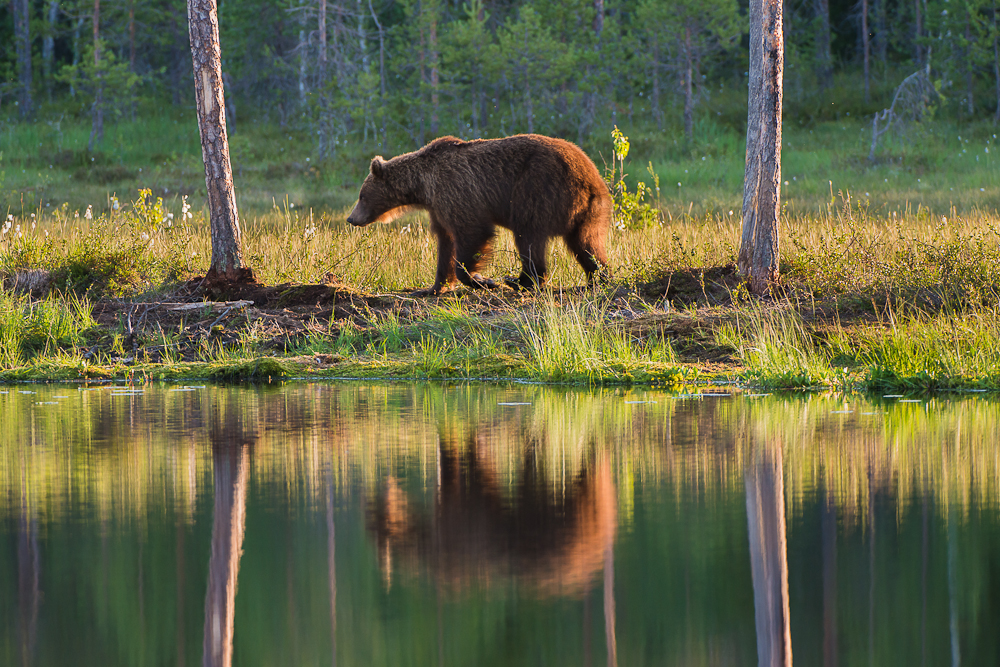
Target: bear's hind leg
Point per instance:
(589, 252)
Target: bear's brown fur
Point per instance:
(538, 187)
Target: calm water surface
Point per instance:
(354, 524)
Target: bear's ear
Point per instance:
(378, 166)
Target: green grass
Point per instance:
(55, 326)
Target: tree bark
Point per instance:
(824, 61)
(435, 82)
(97, 116)
(131, 37)
(49, 46)
(996, 64)
(969, 71)
(866, 47)
(758, 257)
(227, 259)
(22, 36)
(764, 479)
(688, 86)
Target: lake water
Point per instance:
(395, 524)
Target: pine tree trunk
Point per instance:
(131, 37)
(433, 38)
(97, 114)
(918, 30)
(49, 46)
(996, 65)
(969, 72)
(688, 87)
(657, 114)
(227, 260)
(824, 61)
(22, 36)
(866, 47)
(758, 258)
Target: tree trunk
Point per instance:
(688, 87)
(866, 47)
(22, 36)
(49, 46)
(97, 115)
(433, 39)
(764, 480)
(824, 61)
(230, 474)
(996, 64)
(969, 71)
(758, 258)
(227, 260)
(918, 32)
(381, 73)
(131, 37)
(303, 54)
(657, 113)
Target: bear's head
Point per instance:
(378, 197)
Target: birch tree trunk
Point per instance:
(227, 259)
(758, 257)
(22, 36)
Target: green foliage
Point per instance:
(112, 79)
(631, 211)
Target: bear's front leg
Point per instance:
(445, 276)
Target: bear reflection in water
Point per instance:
(554, 536)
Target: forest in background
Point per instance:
(389, 75)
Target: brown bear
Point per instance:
(538, 187)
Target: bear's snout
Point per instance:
(356, 218)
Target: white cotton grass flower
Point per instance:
(185, 209)
(89, 213)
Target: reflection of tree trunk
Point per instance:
(230, 463)
(768, 556)
(829, 528)
(181, 647)
(609, 605)
(956, 653)
(28, 594)
(923, 585)
(331, 566)
(871, 558)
